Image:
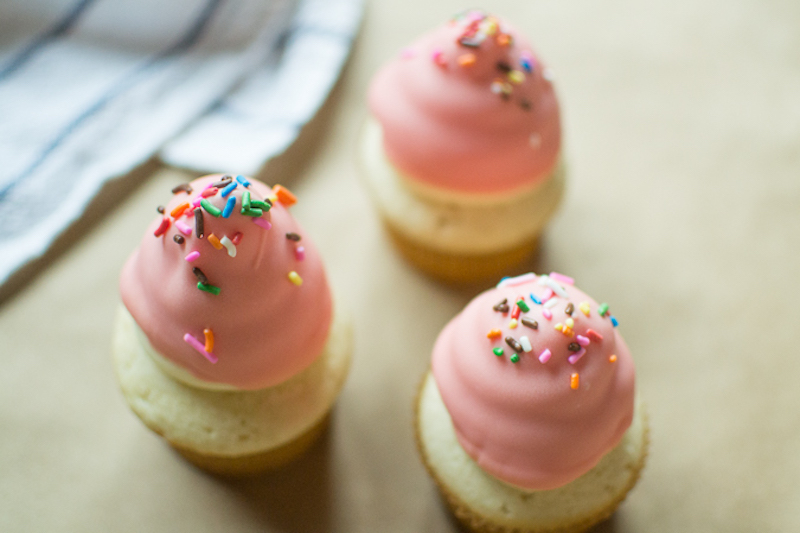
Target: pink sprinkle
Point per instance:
(592, 334)
(196, 201)
(200, 347)
(583, 341)
(300, 253)
(548, 293)
(562, 278)
(183, 228)
(210, 191)
(576, 356)
(262, 222)
(438, 57)
(192, 256)
(545, 356)
(518, 280)
(547, 314)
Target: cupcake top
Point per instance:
(227, 286)
(536, 379)
(469, 107)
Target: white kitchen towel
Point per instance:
(89, 89)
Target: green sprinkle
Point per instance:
(252, 212)
(523, 306)
(498, 351)
(208, 206)
(246, 200)
(514, 358)
(603, 309)
(261, 205)
(208, 288)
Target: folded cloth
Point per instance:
(89, 89)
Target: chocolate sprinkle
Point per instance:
(293, 236)
(570, 309)
(514, 343)
(503, 66)
(198, 223)
(178, 238)
(160, 209)
(574, 347)
(501, 306)
(525, 104)
(529, 322)
(200, 276)
(183, 187)
(225, 181)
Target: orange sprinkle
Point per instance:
(494, 334)
(503, 39)
(466, 60)
(209, 340)
(568, 331)
(178, 211)
(575, 381)
(215, 241)
(612, 359)
(284, 195)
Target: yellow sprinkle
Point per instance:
(273, 198)
(570, 323)
(585, 308)
(575, 381)
(612, 359)
(214, 241)
(466, 60)
(494, 334)
(209, 347)
(513, 324)
(516, 77)
(559, 326)
(295, 278)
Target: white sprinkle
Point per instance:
(555, 287)
(526, 343)
(550, 303)
(228, 244)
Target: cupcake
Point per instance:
(528, 420)
(461, 152)
(228, 343)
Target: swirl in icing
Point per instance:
(535, 425)
(469, 107)
(271, 316)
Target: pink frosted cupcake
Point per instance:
(462, 151)
(528, 420)
(228, 343)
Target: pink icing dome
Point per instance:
(533, 424)
(265, 326)
(468, 107)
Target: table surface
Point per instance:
(682, 132)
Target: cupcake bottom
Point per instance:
(455, 236)
(232, 432)
(484, 504)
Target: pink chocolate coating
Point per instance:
(523, 422)
(443, 124)
(266, 329)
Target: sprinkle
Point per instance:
(545, 356)
(197, 345)
(526, 343)
(208, 288)
(574, 358)
(198, 223)
(466, 60)
(223, 182)
(246, 200)
(503, 39)
(612, 358)
(525, 104)
(570, 323)
(518, 280)
(262, 223)
(603, 309)
(214, 240)
(515, 312)
(494, 334)
(548, 293)
(501, 307)
(211, 191)
(197, 201)
(516, 77)
(252, 212)
(191, 256)
(178, 211)
(243, 181)
(438, 57)
(208, 206)
(514, 358)
(300, 253)
(229, 189)
(512, 324)
(228, 244)
(574, 347)
(258, 204)
(295, 278)
(592, 334)
(568, 331)
(178, 238)
(570, 309)
(529, 322)
(556, 288)
(200, 276)
(209, 335)
(229, 205)
(284, 195)
(522, 305)
(237, 238)
(547, 314)
(550, 303)
(526, 63)
(160, 209)
(503, 67)
(559, 326)
(183, 187)
(183, 228)
(614, 321)
(574, 381)
(469, 42)
(498, 351)
(293, 237)
(162, 228)
(585, 308)
(272, 199)
(561, 278)
(535, 300)
(583, 341)
(514, 344)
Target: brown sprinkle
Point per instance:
(570, 309)
(200, 276)
(529, 322)
(293, 236)
(525, 104)
(160, 209)
(514, 343)
(501, 306)
(503, 66)
(183, 187)
(574, 347)
(178, 238)
(223, 182)
(198, 223)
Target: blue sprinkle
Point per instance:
(243, 181)
(229, 189)
(526, 64)
(226, 213)
(535, 300)
(614, 321)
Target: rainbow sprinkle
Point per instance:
(200, 347)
